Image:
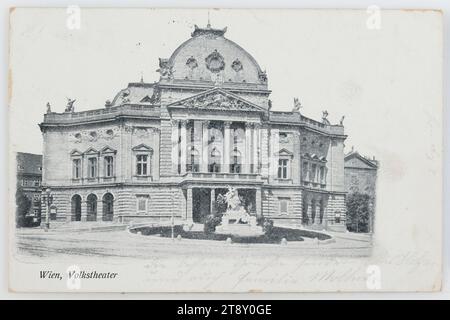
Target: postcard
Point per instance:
(225, 150)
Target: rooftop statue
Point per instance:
(324, 117)
(69, 106)
(297, 105)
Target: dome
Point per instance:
(209, 56)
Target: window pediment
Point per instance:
(108, 149)
(142, 148)
(76, 153)
(91, 151)
(285, 153)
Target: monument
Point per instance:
(236, 219)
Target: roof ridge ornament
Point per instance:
(208, 31)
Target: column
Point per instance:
(100, 208)
(255, 145)
(83, 210)
(213, 201)
(226, 147)
(174, 146)
(183, 146)
(248, 138)
(188, 215)
(264, 138)
(308, 211)
(204, 156)
(258, 202)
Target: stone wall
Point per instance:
(62, 144)
(163, 202)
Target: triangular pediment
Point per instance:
(217, 99)
(146, 99)
(142, 147)
(91, 151)
(285, 152)
(355, 160)
(108, 149)
(75, 152)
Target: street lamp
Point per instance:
(172, 222)
(48, 198)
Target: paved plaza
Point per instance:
(116, 243)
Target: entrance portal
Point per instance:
(76, 208)
(201, 204)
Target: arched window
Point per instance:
(76, 208)
(313, 210)
(108, 207)
(194, 161)
(91, 203)
(214, 161)
(236, 162)
(305, 218)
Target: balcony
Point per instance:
(223, 176)
(314, 184)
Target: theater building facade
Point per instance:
(170, 148)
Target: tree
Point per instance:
(23, 204)
(358, 212)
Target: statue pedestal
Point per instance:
(241, 229)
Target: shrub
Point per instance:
(211, 222)
(23, 206)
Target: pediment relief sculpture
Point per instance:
(218, 100)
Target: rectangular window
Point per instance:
(142, 204)
(337, 217)
(283, 169)
(284, 204)
(305, 170)
(313, 172)
(142, 164)
(322, 174)
(109, 166)
(76, 164)
(92, 163)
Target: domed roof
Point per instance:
(209, 56)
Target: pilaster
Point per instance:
(183, 146)
(205, 138)
(226, 147)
